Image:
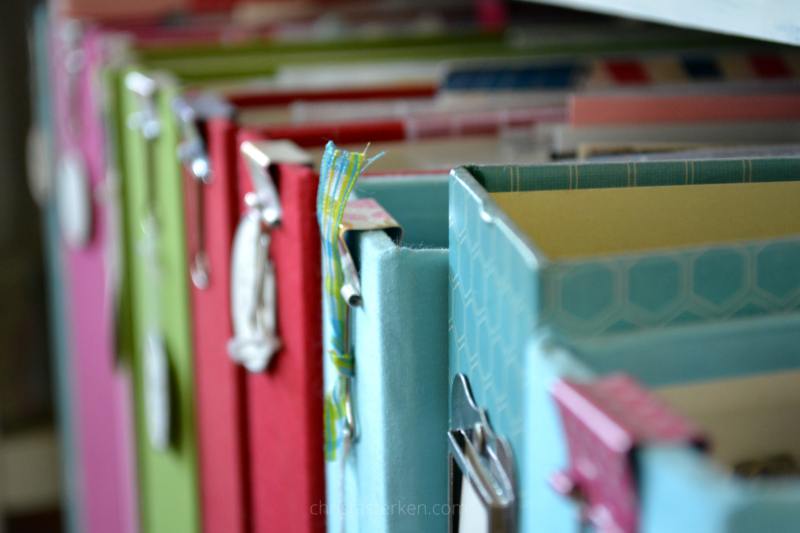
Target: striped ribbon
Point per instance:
(338, 174)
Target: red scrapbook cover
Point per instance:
(285, 401)
(220, 408)
(260, 435)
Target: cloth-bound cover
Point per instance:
(396, 470)
(284, 403)
(224, 419)
(502, 286)
(220, 383)
(137, 10)
(63, 386)
(103, 383)
(169, 501)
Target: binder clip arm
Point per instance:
(605, 421)
(363, 214)
(481, 459)
(259, 157)
(256, 339)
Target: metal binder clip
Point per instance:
(351, 288)
(363, 214)
(193, 155)
(253, 297)
(605, 420)
(145, 119)
(259, 157)
(482, 481)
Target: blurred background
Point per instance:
(29, 484)
(31, 493)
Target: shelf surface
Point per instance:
(771, 20)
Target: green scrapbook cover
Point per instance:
(151, 183)
(517, 36)
(265, 59)
(159, 296)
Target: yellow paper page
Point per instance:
(577, 223)
(747, 418)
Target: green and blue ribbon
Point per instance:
(338, 174)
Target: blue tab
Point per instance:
(541, 77)
(705, 68)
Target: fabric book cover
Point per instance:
(44, 116)
(284, 402)
(237, 462)
(158, 275)
(103, 400)
(534, 248)
(397, 461)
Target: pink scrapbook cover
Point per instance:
(104, 402)
(654, 108)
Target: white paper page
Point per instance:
(474, 515)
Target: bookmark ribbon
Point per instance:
(338, 174)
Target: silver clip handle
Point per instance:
(74, 62)
(349, 429)
(194, 157)
(255, 340)
(258, 164)
(255, 350)
(192, 149)
(146, 122)
(259, 157)
(351, 288)
(482, 459)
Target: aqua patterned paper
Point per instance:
(632, 292)
(503, 289)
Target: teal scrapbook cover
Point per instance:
(587, 267)
(395, 473)
(735, 380)
(54, 267)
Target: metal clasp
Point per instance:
(74, 62)
(156, 364)
(146, 121)
(255, 339)
(605, 421)
(192, 148)
(363, 214)
(259, 157)
(483, 488)
(192, 153)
